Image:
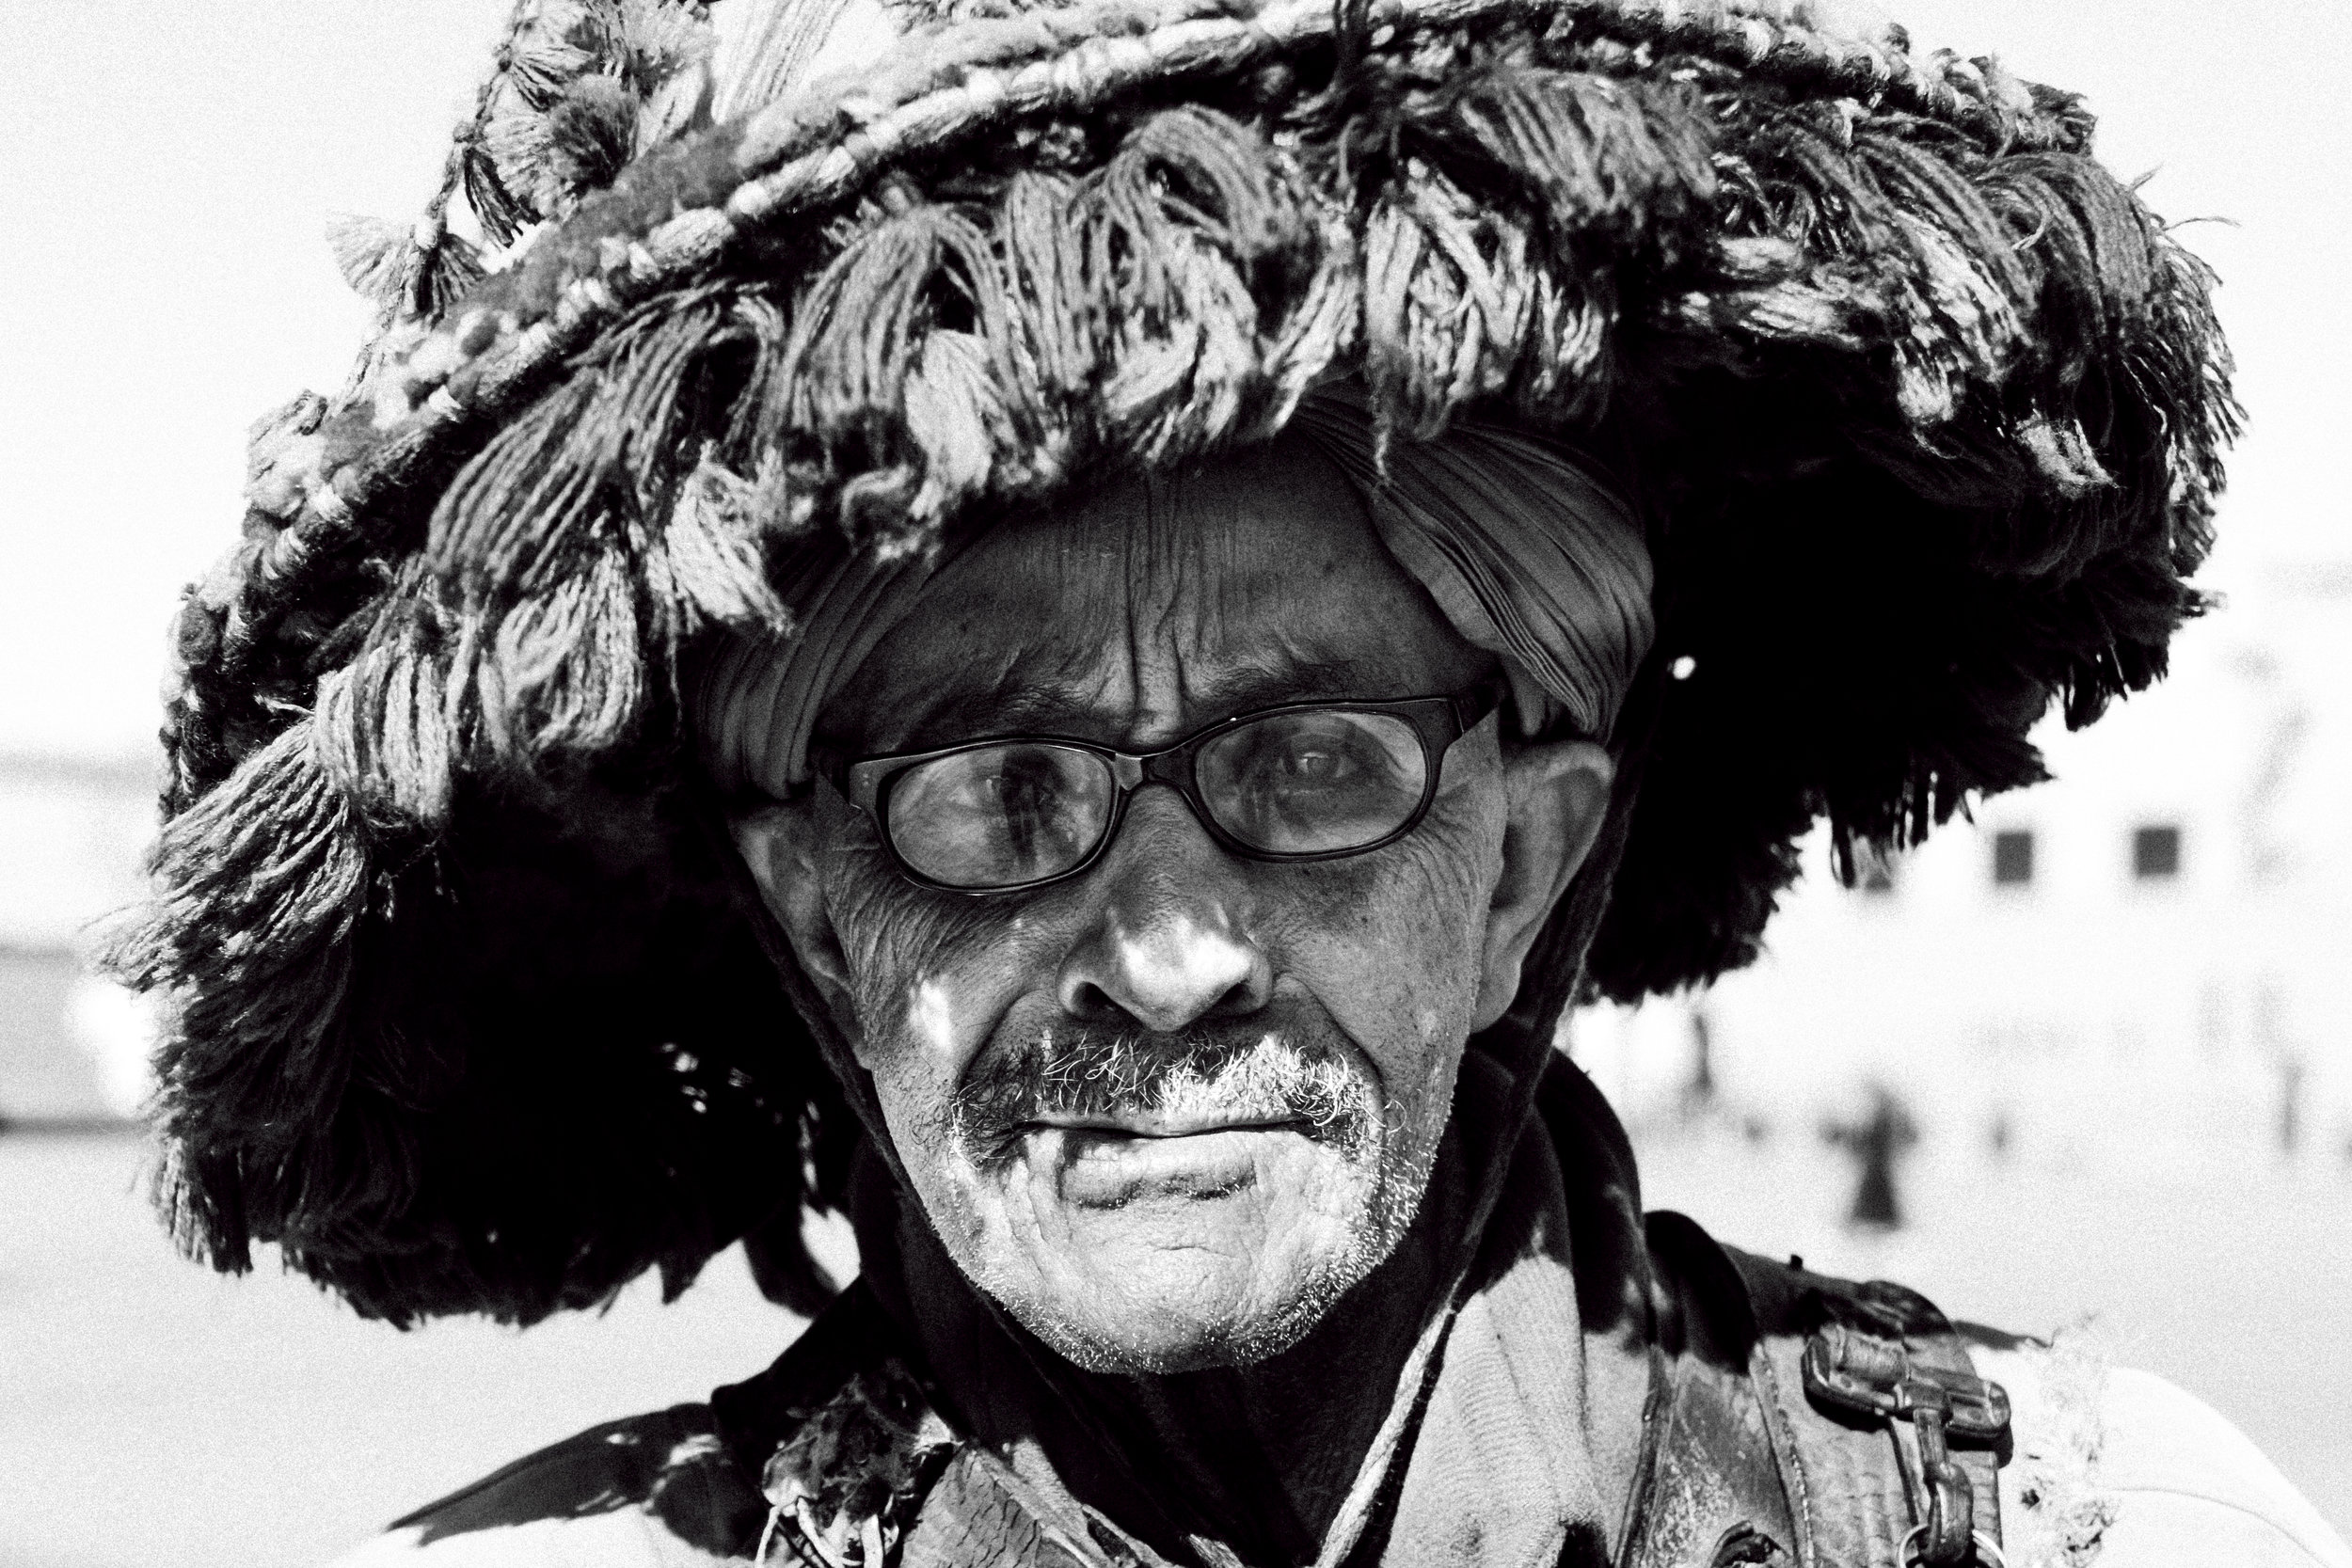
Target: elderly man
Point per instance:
(1069, 634)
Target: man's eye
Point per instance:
(995, 817)
(1328, 757)
(1317, 765)
(1014, 789)
(1313, 782)
(1288, 765)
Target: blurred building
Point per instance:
(72, 1049)
(2143, 961)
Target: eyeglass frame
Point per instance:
(1438, 722)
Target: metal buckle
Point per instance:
(1928, 1408)
(1988, 1555)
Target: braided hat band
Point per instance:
(1926, 410)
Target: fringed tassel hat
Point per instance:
(468, 1012)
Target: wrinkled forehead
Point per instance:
(1153, 607)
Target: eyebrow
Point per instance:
(1018, 704)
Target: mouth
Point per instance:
(1142, 1124)
(1110, 1163)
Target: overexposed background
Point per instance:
(2131, 1092)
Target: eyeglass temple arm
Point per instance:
(1480, 701)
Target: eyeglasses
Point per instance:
(1304, 781)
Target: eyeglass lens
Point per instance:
(1307, 783)
(1001, 816)
(1315, 782)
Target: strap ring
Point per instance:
(1988, 1552)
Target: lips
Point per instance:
(1156, 1124)
(1109, 1167)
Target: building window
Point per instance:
(2157, 852)
(2012, 858)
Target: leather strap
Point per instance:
(1887, 1358)
(1710, 1491)
(1753, 1469)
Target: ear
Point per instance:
(1558, 796)
(778, 843)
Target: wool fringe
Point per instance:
(935, 360)
(566, 674)
(385, 730)
(2068, 1509)
(710, 567)
(565, 570)
(262, 876)
(260, 888)
(583, 85)
(1185, 293)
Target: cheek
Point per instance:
(1391, 945)
(931, 978)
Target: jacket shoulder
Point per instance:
(843, 1433)
(2121, 1463)
(837, 1441)
(653, 1491)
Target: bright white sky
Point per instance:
(167, 169)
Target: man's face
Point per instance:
(1167, 1110)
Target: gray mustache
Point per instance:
(1253, 1075)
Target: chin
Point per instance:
(1183, 1283)
(1165, 1320)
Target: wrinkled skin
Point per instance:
(1149, 1240)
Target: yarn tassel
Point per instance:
(565, 674)
(405, 271)
(258, 876)
(258, 888)
(372, 255)
(550, 46)
(1622, 163)
(1315, 332)
(554, 156)
(517, 516)
(1446, 304)
(1955, 327)
(1045, 363)
(956, 420)
(583, 88)
(387, 731)
(714, 564)
(1177, 238)
(859, 338)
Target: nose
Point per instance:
(1165, 944)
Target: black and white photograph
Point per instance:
(1175, 784)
